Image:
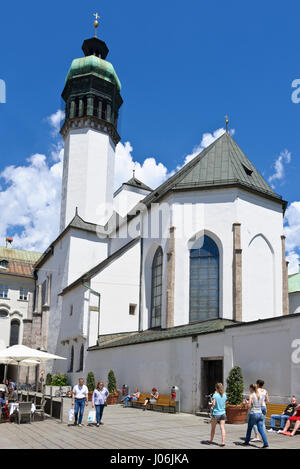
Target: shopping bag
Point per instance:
(92, 416)
(71, 415)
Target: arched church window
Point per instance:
(156, 289)
(14, 332)
(81, 358)
(71, 360)
(204, 280)
(3, 313)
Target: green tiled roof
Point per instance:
(294, 282)
(18, 254)
(96, 66)
(150, 335)
(221, 164)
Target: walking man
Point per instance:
(80, 394)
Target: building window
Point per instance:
(44, 292)
(4, 264)
(156, 289)
(204, 280)
(3, 291)
(132, 309)
(23, 294)
(81, 356)
(3, 313)
(14, 332)
(71, 310)
(71, 360)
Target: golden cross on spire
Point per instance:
(96, 22)
(226, 123)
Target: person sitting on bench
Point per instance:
(288, 412)
(295, 418)
(131, 397)
(152, 399)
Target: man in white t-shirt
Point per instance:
(80, 394)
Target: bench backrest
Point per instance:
(275, 409)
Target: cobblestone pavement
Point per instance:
(129, 429)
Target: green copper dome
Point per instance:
(96, 66)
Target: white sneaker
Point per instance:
(280, 431)
(271, 430)
(255, 439)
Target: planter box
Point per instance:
(62, 389)
(236, 414)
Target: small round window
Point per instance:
(4, 264)
(3, 313)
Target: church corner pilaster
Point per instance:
(170, 279)
(285, 286)
(237, 273)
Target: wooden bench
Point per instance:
(275, 409)
(164, 402)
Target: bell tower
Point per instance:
(92, 102)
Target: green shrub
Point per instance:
(48, 379)
(111, 382)
(59, 380)
(90, 381)
(235, 386)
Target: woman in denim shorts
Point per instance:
(218, 412)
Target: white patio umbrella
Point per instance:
(21, 354)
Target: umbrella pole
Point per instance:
(18, 377)
(5, 373)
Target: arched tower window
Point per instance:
(156, 289)
(204, 280)
(14, 332)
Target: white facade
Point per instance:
(14, 307)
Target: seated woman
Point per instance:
(131, 397)
(4, 406)
(296, 419)
(152, 399)
(12, 394)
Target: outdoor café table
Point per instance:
(14, 406)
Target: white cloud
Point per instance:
(294, 260)
(279, 166)
(150, 172)
(207, 139)
(55, 119)
(292, 232)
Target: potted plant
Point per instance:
(237, 408)
(90, 382)
(112, 388)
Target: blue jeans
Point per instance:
(99, 412)
(129, 398)
(283, 418)
(79, 407)
(256, 419)
(264, 412)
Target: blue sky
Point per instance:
(182, 66)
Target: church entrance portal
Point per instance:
(211, 373)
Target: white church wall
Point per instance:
(86, 251)
(197, 213)
(118, 285)
(294, 302)
(269, 350)
(261, 229)
(126, 198)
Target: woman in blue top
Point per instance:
(218, 412)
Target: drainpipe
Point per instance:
(94, 292)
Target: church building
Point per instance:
(166, 286)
